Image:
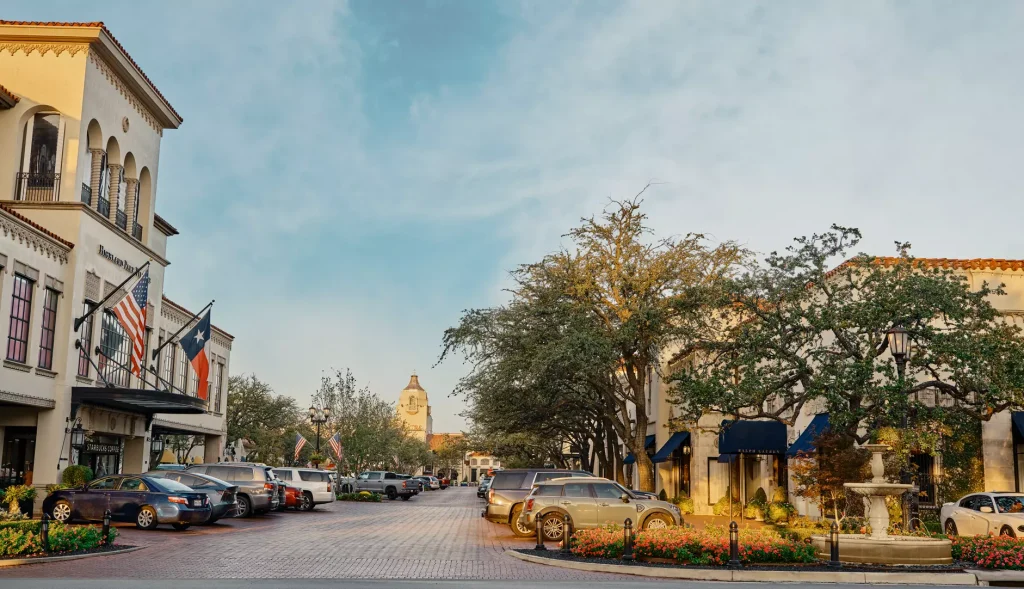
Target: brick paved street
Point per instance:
(436, 535)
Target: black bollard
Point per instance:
(44, 531)
(540, 534)
(833, 540)
(734, 546)
(566, 533)
(627, 540)
(106, 527)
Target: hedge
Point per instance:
(24, 538)
(364, 496)
(990, 552)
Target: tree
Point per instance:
(256, 414)
(820, 475)
(792, 331)
(182, 446)
(449, 454)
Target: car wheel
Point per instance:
(658, 521)
(181, 527)
(307, 502)
(552, 526)
(62, 511)
(146, 519)
(405, 497)
(517, 528)
(1007, 531)
(244, 507)
(392, 493)
(212, 520)
(950, 528)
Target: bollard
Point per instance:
(44, 531)
(734, 546)
(540, 533)
(627, 540)
(106, 527)
(566, 533)
(833, 540)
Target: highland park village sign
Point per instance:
(116, 260)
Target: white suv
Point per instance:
(315, 484)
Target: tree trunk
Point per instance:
(644, 471)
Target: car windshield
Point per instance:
(169, 486)
(1010, 503)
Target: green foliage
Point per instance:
(362, 496)
(25, 539)
(256, 414)
(56, 487)
(989, 552)
(820, 475)
(721, 507)
(962, 462)
(779, 512)
(15, 494)
(755, 511)
(76, 475)
(779, 495)
(709, 546)
(760, 497)
(662, 495)
(684, 503)
(5, 516)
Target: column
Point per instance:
(95, 175)
(115, 177)
(130, 185)
(53, 445)
(136, 455)
(213, 449)
(997, 451)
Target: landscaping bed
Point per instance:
(362, 496)
(23, 539)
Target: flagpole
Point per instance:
(81, 320)
(195, 316)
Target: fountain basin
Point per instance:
(855, 548)
(879, 489)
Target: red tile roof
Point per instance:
(103, 27)
(37, 226)
(7, 95)
(182, 308)
(946, 264)
(437, 441)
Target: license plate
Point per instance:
(197, 503)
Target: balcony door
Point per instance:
(39, 179)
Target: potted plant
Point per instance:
(15, 495)
(317, 459)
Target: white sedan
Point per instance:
(983, 514)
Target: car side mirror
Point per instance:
(985, 509)
(624, 497)
(85, 486)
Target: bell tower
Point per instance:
(414, 409)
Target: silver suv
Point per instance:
(509, 488)
(592, 502)
(258, 490)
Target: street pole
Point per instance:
(911, 515)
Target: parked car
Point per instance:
(445, 483)
(258, 490)
(386, 483)
(345, 484)
(416, 484)
(169, 467)
(481, 489)
(222, 494)
(147, 501)
(591, 502)
(316, 485)
(293, 498)
(508, 490)
(429, 482)
(982, 514)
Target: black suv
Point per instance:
(509, 489)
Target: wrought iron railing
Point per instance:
(137, 231)
(35, 187)
(928, 488)
(121, 219)
(103, 207)
(86, 193)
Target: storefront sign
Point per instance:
(116, 260)
(94, 448)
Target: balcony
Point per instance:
(137, 231)
(86, 193)
(121, 220)
(33, 187)
(103, 207)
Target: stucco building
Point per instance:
(80, 133)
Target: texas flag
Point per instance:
(194, 344)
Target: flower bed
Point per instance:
(365, 496)
(687, 546)
(19, 539)
(990, 552)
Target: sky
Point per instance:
(350, 177)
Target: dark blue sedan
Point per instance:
(147, 501)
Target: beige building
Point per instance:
(80, 132)
(414, 410)
(754, 455)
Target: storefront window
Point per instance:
(18, 455)
(115, 351)
(49, 323)
(102, 454)
(84, 368)
(21, 311)
(167, 365)
(181, 373)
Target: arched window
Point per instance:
(485, 462)
(473, 462)
(412, 404)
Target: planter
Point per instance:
(656, 560)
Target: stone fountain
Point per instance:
(879, 547)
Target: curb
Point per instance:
(755, 575)
(13, 562)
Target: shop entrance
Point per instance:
(102, 454)
(19, 452)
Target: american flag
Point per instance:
(335, 443)
(299, 443)
(131, 312)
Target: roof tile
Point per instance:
(37, 226)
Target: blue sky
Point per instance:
(350, 176)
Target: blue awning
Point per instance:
(1018, 422)
(648, 443)
(752, 437)
(805, 443)
(677, 439)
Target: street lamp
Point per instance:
(319, 416)
(77, 437)
(899, 347)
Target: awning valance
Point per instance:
(1018, 423)
(677, 439)
(141, 401)
(648, 443)
(805, 443)
(752, 437)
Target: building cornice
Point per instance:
(160, 422)
(20, 230)
(20, 399)
(161, 225)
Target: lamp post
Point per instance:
(319, 416)
(156, 447)
(899, 347)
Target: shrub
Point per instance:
(754, 511)
(662, 495)
(759, 497)
(721, 507)
(778, 512)
(56, 487)
(779, 495)
(15, 494)
(76, 475)
(5, 516)
(603, 542)
(24, 538)
(685, 504)
(990, 552)
(363, 496)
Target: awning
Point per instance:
(752, 437)
(805, 443)
(648, 443)
(142, 401)
(677, 439)
(1018, 422)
